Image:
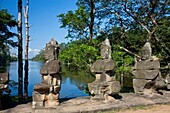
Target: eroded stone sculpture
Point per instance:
(105, 85)
(4, 78)
(147, 76)
(46, 94)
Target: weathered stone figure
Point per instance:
(4, 78)
(106, 49)
(105, 84)
(147, 77)
(168, 77)
(146, 51)
(46, 94)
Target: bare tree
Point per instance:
(26, 10)
(20, 68)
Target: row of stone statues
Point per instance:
(147, 77)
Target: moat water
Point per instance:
(73, 85)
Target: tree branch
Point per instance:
(134, 16)
(130, 52)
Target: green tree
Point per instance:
(146, 18)
(149, 15)
(131, 14)
(7, 21)
(80, 23)
(79, 55)
(163, 33)
(127, 23)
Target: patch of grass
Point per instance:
(107, 112)
(111, 111)
(142, 107)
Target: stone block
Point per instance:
(42, 88)
(145, 74)
(38, 96)
(98, 76)
(110, 78)
(3, 86)
(139, 84)
(168, 80)
(51, 103)
(168, 86)
(104, 77)
(147, 65)
(4, 78)
(103, 65)
(38, 104)
(51, 67)
(113, 87)
(93, 87)
(160, 84)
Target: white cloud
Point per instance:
(33, 52)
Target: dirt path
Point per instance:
(150, 109)
(143, 104)
(25, 108)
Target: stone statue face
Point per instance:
(145, 55)
(51, 50)
(146, 51)
(105, 49)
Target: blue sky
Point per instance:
(45, 24)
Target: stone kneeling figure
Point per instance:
(105, 85)
(46, 94)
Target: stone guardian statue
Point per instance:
(46, 94)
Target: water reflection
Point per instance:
(73, 85)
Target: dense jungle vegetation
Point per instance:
(128, 24)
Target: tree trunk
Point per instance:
(26, 51)
(20, 68)
(92, 14)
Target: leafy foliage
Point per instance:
(76, 23)
(123, 60)
(80, 23)
(79, 55)
(126, 23)
(6, 22)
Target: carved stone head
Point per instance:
(106, 49)
(51, 50)
(146, 51)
